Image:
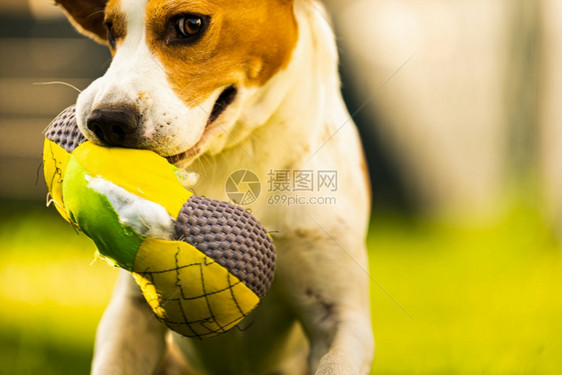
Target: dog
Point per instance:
(218, 86)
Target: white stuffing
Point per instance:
(187, 179)
(145, 217)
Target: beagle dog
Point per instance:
(219, 86)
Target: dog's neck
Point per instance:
(290, 118)
(302, 101)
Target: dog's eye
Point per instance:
(189, 26)
(185, 29)
(111, 35)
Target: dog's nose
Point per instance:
(114, 125)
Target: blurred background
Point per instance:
(459, 108)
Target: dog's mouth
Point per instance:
(223, 101)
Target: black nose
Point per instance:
(114, 125)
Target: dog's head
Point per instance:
(181, 69)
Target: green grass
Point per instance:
(51, 295)
(477, 300)
(470, 299)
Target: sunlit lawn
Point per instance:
(447, 299)
(482, 300)
(51, 294)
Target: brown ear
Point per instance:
(87, 16)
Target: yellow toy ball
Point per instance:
(201, 264)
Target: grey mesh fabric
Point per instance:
(232, 237)
(64, 130)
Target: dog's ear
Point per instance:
(87, 16)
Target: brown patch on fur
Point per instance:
(87, 16)
(326, 310)
(313, 235)
(246, 43)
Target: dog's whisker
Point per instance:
(96, 13)
(204, 170)
(58, 83)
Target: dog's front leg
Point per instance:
(129, 340)
(344, 347)
(329, 284)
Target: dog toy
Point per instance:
(201, 264)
